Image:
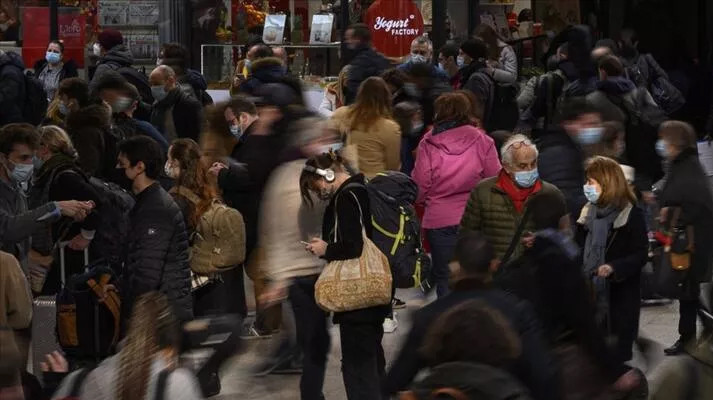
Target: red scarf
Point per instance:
(517, 194)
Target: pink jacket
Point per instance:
(449, 165)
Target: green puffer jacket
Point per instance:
(491, 212)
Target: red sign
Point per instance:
(71, 28)
(394, 25)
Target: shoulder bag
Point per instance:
(674, 260)
(347, 285)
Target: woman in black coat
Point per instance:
(59, 178)
(53, 68)
(361, 331)
(687, 188)
(612, 233)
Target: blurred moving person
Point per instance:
(363, 60)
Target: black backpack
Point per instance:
(501, 112)
(665, 94)
(35, 104)
(396, 229)
(136, 78)
(642, 125)
(111, 234)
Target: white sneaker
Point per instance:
(390, 324)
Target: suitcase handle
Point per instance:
(62, 267)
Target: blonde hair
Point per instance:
(57, 141)
(152, 327)
(615, 189)
(373, 102)
(338, 86)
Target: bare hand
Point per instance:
(79, 243)
(528, 239)
(663, 215)
(54, 362)
(76, 209)
(106, 289)
(318, 247)
(627, 382)
(273, 295)
(604, 271)
(216, 167)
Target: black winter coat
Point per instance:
(627, 253)
(350, 241)
(157, 252)
(536, 367)
(549, 276)
(69, 69)
(186, 111)
(365, 63)
(88, 127)
(561, 163)
(688, 187)
(262, 71)
(12, 88)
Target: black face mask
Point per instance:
(119, 177)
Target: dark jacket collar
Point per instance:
(148, 192)
(685, 155)
(616, 85)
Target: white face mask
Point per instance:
(97, 49)
(171, 171)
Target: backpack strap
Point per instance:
(187, 193)
(161, 383)
(516, 238)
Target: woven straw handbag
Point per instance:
(363, 282)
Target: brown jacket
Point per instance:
(15, 297)
(378, 149)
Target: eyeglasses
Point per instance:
(518, 145)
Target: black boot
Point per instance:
(677, 348)
(210, 384)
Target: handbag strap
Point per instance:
(336, 216)
(516, 238)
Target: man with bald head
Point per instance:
(175, 114)
(499, 204)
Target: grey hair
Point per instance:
(423, 39)
(506, 152)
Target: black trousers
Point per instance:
(234, 289)
(363, 363)
(688, 312)
(312, 337)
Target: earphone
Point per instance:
(327, 174)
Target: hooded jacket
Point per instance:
(450, 163)
(561, 162)
(87, 127)
(365, 63)
(262, 71)
(12, 88)
(119, 55)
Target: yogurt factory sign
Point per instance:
(394, 24)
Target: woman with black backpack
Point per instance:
(59, 177)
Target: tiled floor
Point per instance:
(657, 323)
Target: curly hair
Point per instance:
(193, 176)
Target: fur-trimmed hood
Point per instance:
(95, 115)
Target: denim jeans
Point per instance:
(312, 336)
(363, 363)
(443, 242)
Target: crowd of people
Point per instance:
(540, 208)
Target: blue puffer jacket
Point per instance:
(262, 71)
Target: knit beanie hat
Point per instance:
(110, 38)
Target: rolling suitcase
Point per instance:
(44, 319)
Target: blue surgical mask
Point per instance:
(661, 148)
(589, 136)
(525, 179)
(63, 109)
(440, 65)
(21, 172)
(590, 192)
(37, 162)
(236, 131)
(159, 92)
(460, 61)
(417, 127)
(248, 64)
(418, 58)
(52, 58)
